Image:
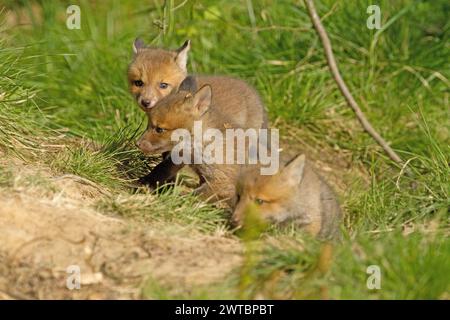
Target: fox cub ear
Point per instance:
(138, 45)
(202, 99)
(182, 55)
(189, 84)
(293, 171)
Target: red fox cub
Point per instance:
(179, 111)
(296, 193)
(155, 73)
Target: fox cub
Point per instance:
(296, 193)
(179, 111)
(155, 73)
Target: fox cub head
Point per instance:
(154, 73)
(179, 110)
(273, 195)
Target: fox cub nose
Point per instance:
(145, 103)
(236, 222)
(144, 145)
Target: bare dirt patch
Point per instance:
(43, 233)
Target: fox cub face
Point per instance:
(274, 195)
(177, 111)
(154, 73)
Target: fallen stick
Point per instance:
(343, 87)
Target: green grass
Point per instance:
(68, 87)
(6, 177)
(412, 267)
(169, 206)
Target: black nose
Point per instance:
(235, 223)
(145, 103)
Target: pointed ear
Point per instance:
(182, 55)
(138, 45)
(293, 171)
(202, 99)
(189, 84)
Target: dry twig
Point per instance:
(342, 86)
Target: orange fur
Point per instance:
(296, 193)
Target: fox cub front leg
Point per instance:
(164, 172)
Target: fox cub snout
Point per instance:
(154, 72)
(296, 193)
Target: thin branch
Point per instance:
(341, 84)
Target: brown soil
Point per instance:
(44, 230)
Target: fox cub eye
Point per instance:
(163, 85)
(159, 130)
(138, 83)
(260, 201)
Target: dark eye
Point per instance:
(138, 83)
(159, 130)
(259, 201)
(163, 85)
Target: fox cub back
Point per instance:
(296, 193)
